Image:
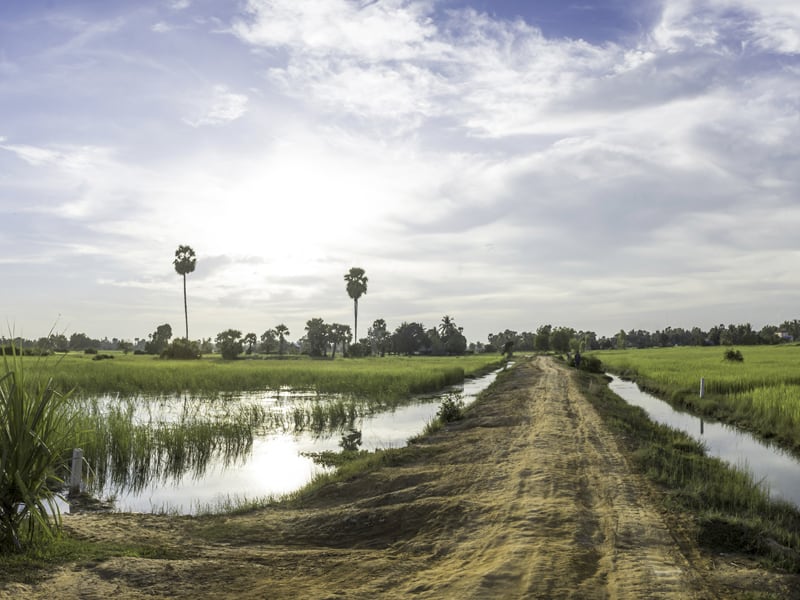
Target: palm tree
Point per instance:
(356, 287)
(282, 331)
(184, 263)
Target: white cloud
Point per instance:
(220, 108)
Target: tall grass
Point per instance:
(378, 378)
(36, 436)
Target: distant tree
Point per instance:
(410, 338)
(378, 337)
(435, 343)
(356, 287)
(60, 342)
(622, 341)
(560, 338)
(206, 346)
(78, 341)
(184, 263)
(229, 343)
(251, 340)
(338, 334)
(159, 339)
(542, 341)
(269, 340)
(453, 340)
(317, 332)
(182, 349)
(125, 346)
(282, 331)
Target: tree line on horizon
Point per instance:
(564, 339)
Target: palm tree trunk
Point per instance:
(355, 324)
(185, 307)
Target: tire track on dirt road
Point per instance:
(567, 519)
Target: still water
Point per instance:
(276, 463)
(777, 469)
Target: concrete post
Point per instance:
(75, 475)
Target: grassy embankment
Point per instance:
(731, 512)
(761, 393)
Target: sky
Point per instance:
(599, 165)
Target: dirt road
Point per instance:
(528, 497)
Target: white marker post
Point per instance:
(75, 475)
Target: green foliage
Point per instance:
(451, 409)
(317, 337)
(733, 355)
(229, 343)
(410, 338)
(159, 339)
(35, 439)
(182, 349)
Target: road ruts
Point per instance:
(559, 515)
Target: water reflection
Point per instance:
(778, 469)
(268, 459)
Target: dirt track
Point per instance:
(529, 497)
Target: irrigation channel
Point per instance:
(271, 462)
(775, 468)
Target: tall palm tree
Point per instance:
(356, 287)
(185, 261)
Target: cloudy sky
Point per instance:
(597, 164)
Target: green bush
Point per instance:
(733, 355)
(182, 349)
(451, 409)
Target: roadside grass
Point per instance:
(33, 564)
(760, 393)
(731, 511)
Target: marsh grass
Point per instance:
(375, 378)
(727, 503)
(36, 436)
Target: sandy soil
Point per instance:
(529, 497)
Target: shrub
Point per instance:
(90, 351)
(733, 355)
(35, 441)
(451, 409)
(182, 349)
(102, 356)
(592, 364)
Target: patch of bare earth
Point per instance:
(528, 497)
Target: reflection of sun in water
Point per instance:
(277, 463)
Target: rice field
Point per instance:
(377, 378)
(761, 393)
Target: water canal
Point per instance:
(775, 468)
